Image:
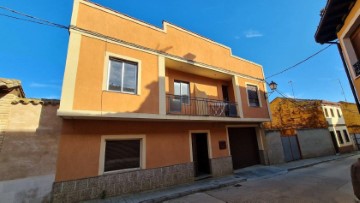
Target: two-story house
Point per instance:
(145, 107)
(337, 127)
(339, 24)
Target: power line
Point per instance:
(302, 61)
(32, 19)
(27, 20)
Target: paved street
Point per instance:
(326, 182)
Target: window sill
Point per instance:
(113, 91)
(121, 171)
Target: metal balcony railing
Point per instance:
(192, 106)
(357, 68)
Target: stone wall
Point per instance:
(274, 147)
(122, 183)
(315, 143)
(221, 166)
(29, 138)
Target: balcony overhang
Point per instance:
(96, 115)
(332, 19)
(191, 68)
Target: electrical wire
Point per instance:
(28, 20)
(299, 63)
(35, 19)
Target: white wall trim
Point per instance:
(107, 115)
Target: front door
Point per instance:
(200, 154)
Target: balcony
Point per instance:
(193, 106)
(357, 68)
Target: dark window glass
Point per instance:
(253, 95)
(122, 154)
(332, 113)
(326, 112)
(346, 136)
(123, 76)
(338, 133)
(338, 111)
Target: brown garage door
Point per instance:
(243, 147)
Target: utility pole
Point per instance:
(292, 88)
(342, 90)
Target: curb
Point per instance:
(185, 193)
(324, 161)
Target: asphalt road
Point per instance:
(326, 182)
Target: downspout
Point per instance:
(347, 73)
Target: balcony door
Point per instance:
(181, 98)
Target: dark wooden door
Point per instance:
(243, 147)
(200, 154)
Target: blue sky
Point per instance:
(275, 34)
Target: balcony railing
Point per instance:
(357, 68)
(192, 106)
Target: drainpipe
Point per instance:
(347, 73)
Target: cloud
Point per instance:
(43, 85)
(237, 37)
(253, 33)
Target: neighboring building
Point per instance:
(29, 135)
(340, 21)
(147, 107)
(304, 129)
(352, 121)
(337, 128)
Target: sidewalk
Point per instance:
(249, 173)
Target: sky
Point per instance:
(276, 34)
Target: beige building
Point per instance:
(29, 136)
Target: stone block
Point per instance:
(93, 182)
(68, 186)
(85, 194)
(57, 188)
(82, 184)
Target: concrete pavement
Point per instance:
(237, 180)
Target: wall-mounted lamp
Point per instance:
(273, 86)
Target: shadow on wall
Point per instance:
(29, 152)
(31, 141)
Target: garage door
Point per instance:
(243, 147)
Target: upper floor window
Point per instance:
(326, 112)
(332, 113)
(253, 95)
(182, 89)
(338, 112)
(122, 76)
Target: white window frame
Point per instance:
(107, 67)
(105, 138)
(258, 93)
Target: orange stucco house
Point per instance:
(147, 107)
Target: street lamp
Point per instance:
(273, 86)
